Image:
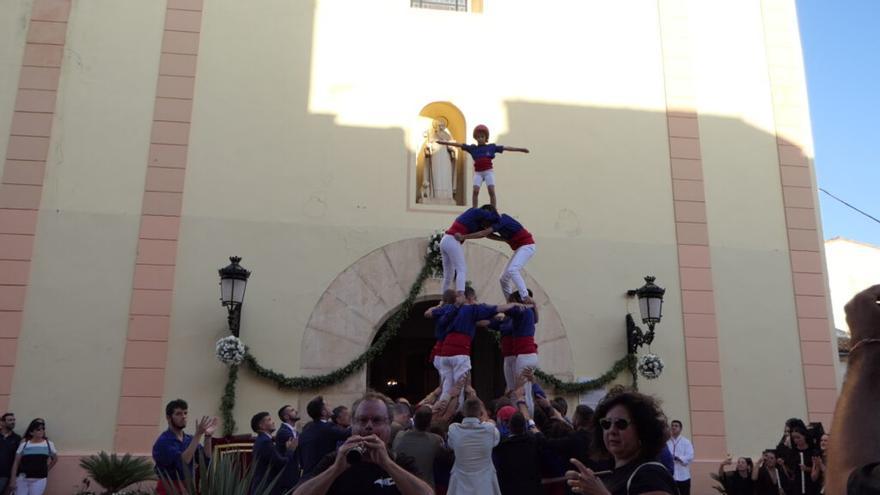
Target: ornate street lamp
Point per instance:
(651, 307)
(233, 282)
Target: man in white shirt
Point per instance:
(682, 454)
(473, 441)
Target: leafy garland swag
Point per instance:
(392, 326)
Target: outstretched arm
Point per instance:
(430, 312)
(495, 237)
(474, 235)
(430, 398)
(451, 143)
(504, 308)
(511, 148)
(721, 469)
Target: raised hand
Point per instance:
(377, 451)
(341, 463)
(212, 425)
(584, 481)
(202, 425)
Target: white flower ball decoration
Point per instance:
(434, 242)
(650, 366)
(230, 350)
(434, 259)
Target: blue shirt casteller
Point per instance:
(443, 316)
(523, 324)
(166, 455)
(469, 314)
(472, 220)
(482, 154)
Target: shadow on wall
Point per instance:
(576, 194)
(574, 191)
(574, 198)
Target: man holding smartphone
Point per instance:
(364, 464)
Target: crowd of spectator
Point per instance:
(625, 446)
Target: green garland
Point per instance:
(625, 363)
(628, 362)
(227, 403)
(392, 326)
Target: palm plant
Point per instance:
(115, 473)
(223, 475)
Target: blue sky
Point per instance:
(841, 43)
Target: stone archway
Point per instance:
(359, 300)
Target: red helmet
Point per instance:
(481, 128)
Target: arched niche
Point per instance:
(457, 128)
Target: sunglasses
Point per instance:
(619, 423)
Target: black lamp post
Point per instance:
(233, 282)
(651, 307)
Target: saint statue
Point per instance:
(438, 186)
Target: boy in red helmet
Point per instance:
(483, 152)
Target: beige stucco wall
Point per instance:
(302, 132)
(76, 317)
(757, 328)
(323, 189)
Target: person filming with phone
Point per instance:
(363, 464)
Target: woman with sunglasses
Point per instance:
(631, 429)
(35, 457)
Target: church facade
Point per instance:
(146, 142)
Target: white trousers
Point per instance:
(30, 486)
(453, 368)
(521, 362)
(445, 376)
(454, 265)
(510, 377)
(512, 273)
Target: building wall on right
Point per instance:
(852, 267)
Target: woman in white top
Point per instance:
(36, 455)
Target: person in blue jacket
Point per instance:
(268, 461)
